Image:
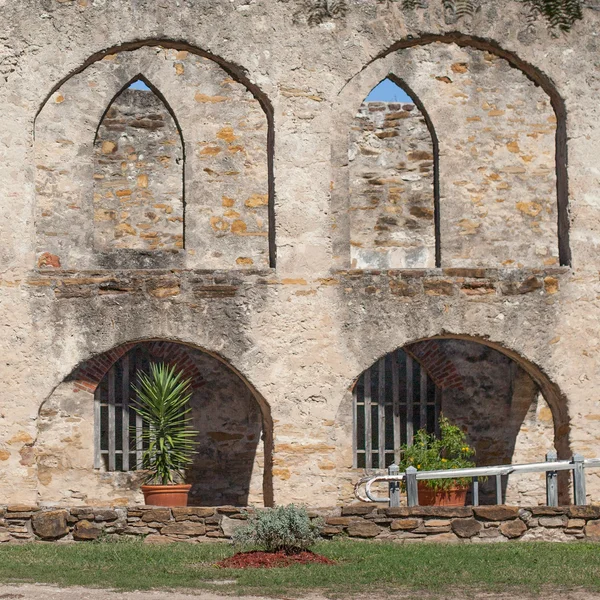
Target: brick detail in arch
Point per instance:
(434, 360)
(88, 376)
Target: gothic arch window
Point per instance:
(138, 173)
(393, 181)
(393, 399)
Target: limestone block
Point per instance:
(50, 524)
(466, 528)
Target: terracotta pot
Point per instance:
(454, 496)
(166, 495)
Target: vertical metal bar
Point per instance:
(499, 499)
(439, 397)
(394, 486)
(579, 480)
(396, 407)
(475, 491)
(410, 400)
(551, 481)
(125, 389)
(423, 399)
(381, 412)
(355, 427)
(97, 429)
(412, 492)
(111, 419)
(139, 425)
(368, 425)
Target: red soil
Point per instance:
(267, 560)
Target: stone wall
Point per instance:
(484, 524)
(301, 331)
(138, 176)
(225, 175)
(391, 188)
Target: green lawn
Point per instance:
(526, 568)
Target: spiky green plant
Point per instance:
(162, 400)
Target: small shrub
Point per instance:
(286, 528)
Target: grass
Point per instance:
(526, 568)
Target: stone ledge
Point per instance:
(358, 521)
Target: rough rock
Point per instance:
(50, 524)
(466, 528)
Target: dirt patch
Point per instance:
(258, 559)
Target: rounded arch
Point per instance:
(454, 369)
(235, 71)
(534, 74)
(87, 375)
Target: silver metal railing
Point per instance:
(551, 467)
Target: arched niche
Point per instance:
(500, 125)
(510, 409)
(233, 465)
(226, 125)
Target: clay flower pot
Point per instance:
(454, 496)
(166, 495)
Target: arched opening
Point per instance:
(87, 444)
(508, 408)
(139, 158)
(394, 181)
(227, 178)
(501, 129)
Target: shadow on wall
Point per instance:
(499, 405)
(87, 423)
(508, 408)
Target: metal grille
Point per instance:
(117, 427)
(392, 399)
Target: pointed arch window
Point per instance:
(139, 173)
(394, 181)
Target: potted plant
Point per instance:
(431, 453)
(162, 400)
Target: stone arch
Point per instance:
(382, 64)
(64, 445)
(454, 382)
(238, 224)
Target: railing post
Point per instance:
(475, 491)
(394, 469)
(552, 481)
(579, 480)
(412, 492)
(499, 498)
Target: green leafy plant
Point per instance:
(430, 453)
(287, 528)
(169, 442)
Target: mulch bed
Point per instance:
(258, 559)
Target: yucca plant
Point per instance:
(162, 400)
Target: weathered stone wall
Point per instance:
(138, 176)
(496, 132)
(391, 188)
(23, 523)
(301, 333)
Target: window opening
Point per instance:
(393, 399)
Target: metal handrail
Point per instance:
(551, 467)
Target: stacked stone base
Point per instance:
(20, 523)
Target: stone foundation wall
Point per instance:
(23, 523)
